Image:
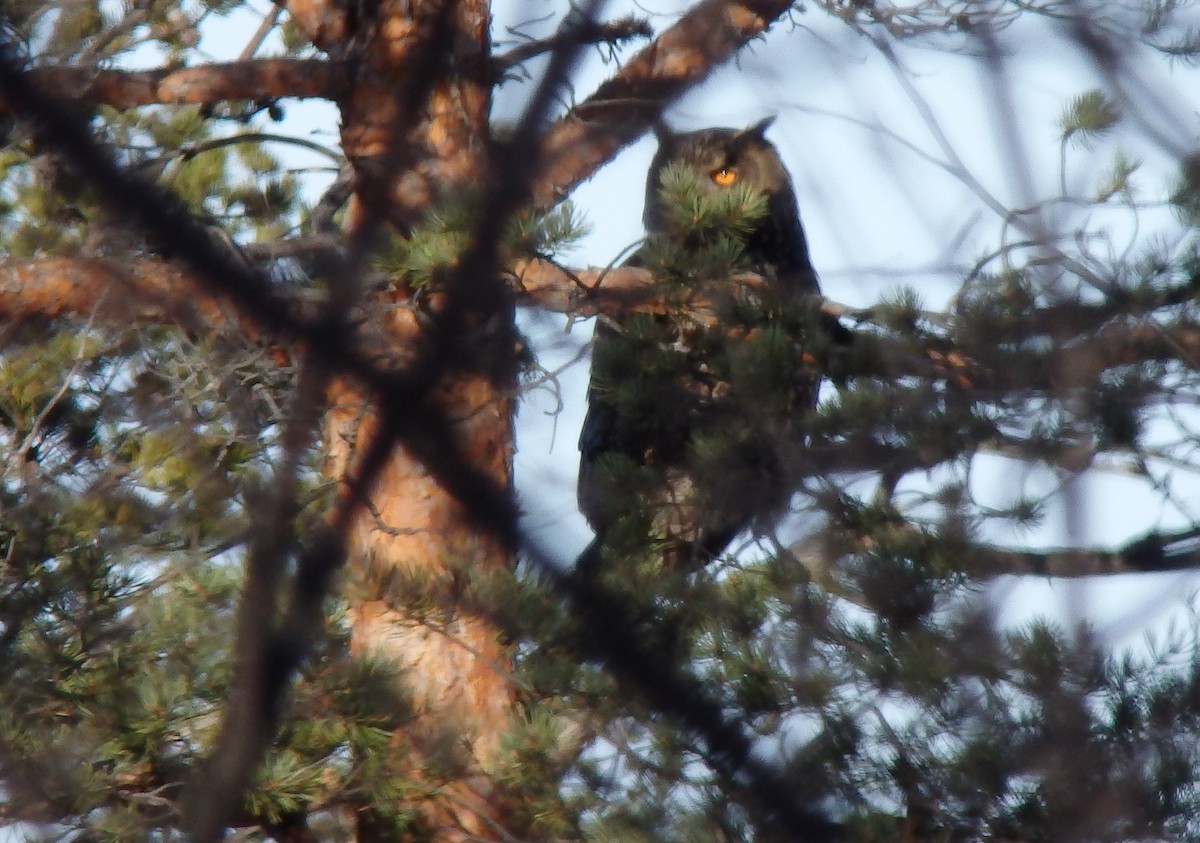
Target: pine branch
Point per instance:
(259, 79)
(1105, 340)
(172, 229)
(625, 106)
(608, 630)
(150, 293)
(58, 287)
(1153, 552)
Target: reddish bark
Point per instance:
(322, 21)
(257, 79)
(414, 127)
(116, 292)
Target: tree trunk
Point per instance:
(415, 129)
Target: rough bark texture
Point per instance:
(415, 128)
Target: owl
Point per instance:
(693, 429)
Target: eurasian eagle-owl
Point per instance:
(692, 432)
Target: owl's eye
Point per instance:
(724, 176)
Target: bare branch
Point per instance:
(613, 32)
(584, 292)
(242, 80)
(140, 291)
(270, 19)
(192, 150)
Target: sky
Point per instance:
(903, 170)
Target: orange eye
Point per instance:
(725, 176)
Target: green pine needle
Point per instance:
(1088, 116)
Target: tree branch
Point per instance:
(613, 291)
(613, 32)
(584, 292)
(143, 291)
(194, 149)
(269, 21)
(1153, 552)
(58, 287)
(626, 105)
(1089, 339)
(258, 79)
(150, 290)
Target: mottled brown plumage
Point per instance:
(692, 432)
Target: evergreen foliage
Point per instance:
(865, 666)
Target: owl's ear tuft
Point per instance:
(754, 136)
(662, 132)
(759, 129)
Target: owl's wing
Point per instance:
(601, 431)
(597, 437)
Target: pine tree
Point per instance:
(257, 541)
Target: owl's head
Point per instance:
(723, 159)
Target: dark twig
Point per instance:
(256, 40)
(332, 200)
(613, 32)
(192, 150)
